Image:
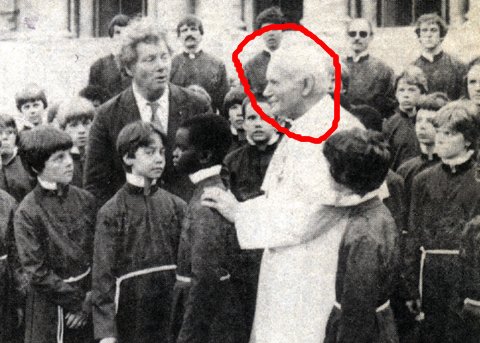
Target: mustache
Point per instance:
(190, 36)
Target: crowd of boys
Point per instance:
(104, 237)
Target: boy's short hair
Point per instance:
(235, 96)
(121, 20)
(201, 91)
(190, 20)
(209, 132)
(413, 75)
(140, 31)
(260, 99)
(94, 92)
(460, 116)
(73, 110)
(432, 17)
(37, 145)
(433, 101)
(271, 15)
(359, 159)
(31, 92)
(134, 136)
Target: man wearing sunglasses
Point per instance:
(371, 80)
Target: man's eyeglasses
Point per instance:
(362, 34)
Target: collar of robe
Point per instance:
(432, 157)
(140, 185)
(458, 168)
(60, 190)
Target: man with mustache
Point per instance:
(371, 80)
(256, 68)
(146, 56)
(196, 67)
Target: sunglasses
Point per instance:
(362, 34)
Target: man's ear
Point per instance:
(308, 85)
(205, 157)
(127, 160)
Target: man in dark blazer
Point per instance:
(146, 56)
(106, 72)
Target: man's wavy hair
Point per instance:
(434, 18)
(140, 31)
(272, 15)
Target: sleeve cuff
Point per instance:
(471, 302)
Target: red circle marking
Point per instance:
(258, 109)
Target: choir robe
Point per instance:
(105, 72)
(256, 71)
(299, 258)
(9, 295)
(54, 235)
(368, 265)
(137, 229)
(444, 74)
(411, 168)
(242, 172)
(444, 198)
(78, 165)
(399, 130)
(470, 290)
(207, 307)
(204, 70)
(14, 179)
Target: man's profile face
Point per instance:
(283, 91)
(272, 39)
(429, 36)
(190, 36)
(359, 35)
(152, 69)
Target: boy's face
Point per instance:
(149, 161)
(430, 36)
(450, 144)
(58, 168)
(273, 38)
(78, 131)
(33, 111)
(257, 129)
(424, 127)
(473, 84)
(185, 155)
(235, 116)
(407, 95)
(8, 137)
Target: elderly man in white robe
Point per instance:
(294, 220)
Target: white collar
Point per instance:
(275, 137)
(203, 174)
(430, 56)
(355, 199)
(356, 58)
(142, 102)
(193, 54)
(459, 159)
(47, 184)
(233, 130)
(270, 52)
(137, 180)
(74, 150)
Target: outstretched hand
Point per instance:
(222, 201)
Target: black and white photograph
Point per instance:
(240, 171)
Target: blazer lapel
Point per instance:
(128, 107)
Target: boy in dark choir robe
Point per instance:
(444, 72)
(425, 132)
(399, 129)
(11, 292)
(232, 106)
(444, 197)
(75, 117)
(207, 307)
(14, 179)
(136, 242)
(368, 258)
(54, 227)
(470, 284)
(242, 172)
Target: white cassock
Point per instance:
(296, 288)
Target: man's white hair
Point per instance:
(301, 60)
